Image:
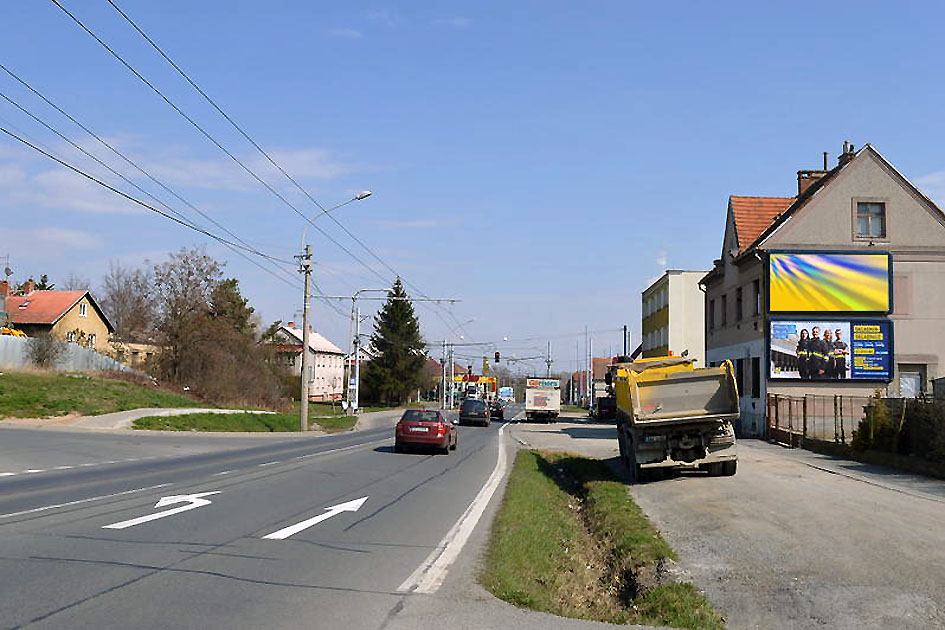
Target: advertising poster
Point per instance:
(829, 283)
(821, 350)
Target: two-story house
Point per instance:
(72, 316)
(859, 251)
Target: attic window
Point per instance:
(83, 309)
(24, 304)
(870, 219)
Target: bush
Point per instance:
(905, 427)
(875, 430)
(924, 431)
(45, 351)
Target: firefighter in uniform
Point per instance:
(803, 355)
(817, 354)
(829, 363)
(840, 350)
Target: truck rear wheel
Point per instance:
(729, 468)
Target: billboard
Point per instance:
(823, 350)
(808, 282)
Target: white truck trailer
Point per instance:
(542, 399)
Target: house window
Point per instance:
(92, 342)
(738, 304)
(756, 290)
(740, 376)
(711, 314)
(870, 219)
(755, 377)
(70, 336)
(724, 309)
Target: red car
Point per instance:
(427, 428)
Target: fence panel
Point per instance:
(791, 419)
(13, 354)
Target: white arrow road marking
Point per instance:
(192, 501)
(350, 506)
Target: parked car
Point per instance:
(474, 412)
(497, 409)
(425, 428)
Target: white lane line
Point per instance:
(7, 474)
(429, 576)
(270, 463)
(98, 498)
(34, 470)
(225, 472)
(63, 467)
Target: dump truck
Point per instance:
(671, 414)
(542, 399)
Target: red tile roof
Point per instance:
(41, 307)
(754, 214)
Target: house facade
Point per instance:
(859, 251)
(673, 311)
(72, 316)
(326, 365)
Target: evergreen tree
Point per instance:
(397, 369)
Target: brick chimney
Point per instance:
(848, 152)
(806, 178)
(4, 288)
(290, 325)
(29, 286)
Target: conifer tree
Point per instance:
(397, 369)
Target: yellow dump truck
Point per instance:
(671, 414)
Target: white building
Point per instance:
(327, 364)
(673, 313)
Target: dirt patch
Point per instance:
(66, 420)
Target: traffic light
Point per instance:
(497, 356)
(469, 369)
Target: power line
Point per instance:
(229, 119)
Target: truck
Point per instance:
(671, 414)
(542, 399)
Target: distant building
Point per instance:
(673, 312)
(327, 365)
(858, 250)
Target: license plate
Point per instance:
(419, 429)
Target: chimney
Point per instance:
(4, 288)
(806, 178)
(848, 152)
(29, 286)
(290, 325)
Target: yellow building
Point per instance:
(68, 315)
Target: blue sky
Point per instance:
(540, 161)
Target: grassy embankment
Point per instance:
(569, 540)
(44, 395)
(573, 409)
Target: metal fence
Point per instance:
(13, 354)
(791, 419)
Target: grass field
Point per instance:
(41, 395)
(568, 540)
(248, 422)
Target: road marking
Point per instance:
(7, 474)
(33, 470)
(285, 532)
(270, 463)
(429, 576)
(192, 502)
(225, 472)
(63, 467)
(59, 505)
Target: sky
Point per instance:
(540, 162)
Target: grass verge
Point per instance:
(573, 409)
(43, 395)
(569, 540)
(247, 422)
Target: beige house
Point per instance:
(862, 205)
(327, 364)
(68, 315)
(673, 311)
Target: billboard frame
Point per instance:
(815, 314)
(853, 320)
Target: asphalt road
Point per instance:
(76, 550)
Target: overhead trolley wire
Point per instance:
(229, 119)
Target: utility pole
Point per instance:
(305, 260)
(443, 378)
(624, 340)
(548, 360)
(452, 378)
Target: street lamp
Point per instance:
(305, 260)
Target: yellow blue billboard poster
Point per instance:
(817, 282)
(823, 350)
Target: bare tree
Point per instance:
(75, 282)
(128, 299)
(45, 351)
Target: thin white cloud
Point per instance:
(59, 189)
(662, 259)
(418, 223)
(58, 238)
(385, 17)
(347, 33)
(933, 185)
(458, 22)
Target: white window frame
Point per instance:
(83, 310)
(855, 210)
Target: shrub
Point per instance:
(45, 351)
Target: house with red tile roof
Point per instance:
(861, 205)
(68, 315)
